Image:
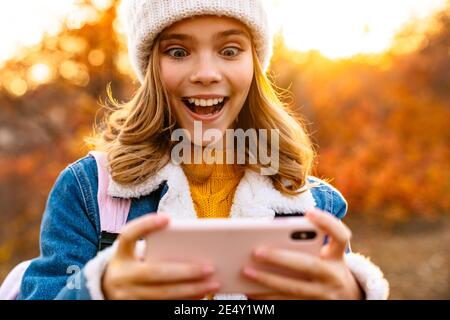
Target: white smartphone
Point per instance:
(227, 244)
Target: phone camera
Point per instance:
(303, 235)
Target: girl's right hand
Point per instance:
(128, 277)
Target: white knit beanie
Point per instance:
(145, 19)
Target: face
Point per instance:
(207, 68)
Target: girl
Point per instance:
(198, 62)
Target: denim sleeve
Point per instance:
(340, 206)
(330, 199)
(68, 240)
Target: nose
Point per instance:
(206, 72)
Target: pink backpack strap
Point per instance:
(113, 211)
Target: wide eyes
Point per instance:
(231, 51)
(180, 53)
(176, 53)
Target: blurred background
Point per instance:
(372, 78)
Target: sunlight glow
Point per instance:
(103, 4)
(96, 57)
(17, 86)
(40, 73)
(23, 22)
(346, 27)
(335, 28)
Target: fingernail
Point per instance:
(160, 219)
(208, 269)
(311, 214)
(261, 252)
(250, 272)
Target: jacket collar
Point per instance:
(255, 195)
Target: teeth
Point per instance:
(205, 102)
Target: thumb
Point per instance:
(137, 229)
(338, 233)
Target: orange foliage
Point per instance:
(381, 132)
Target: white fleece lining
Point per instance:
(255, 197)
(368, 275)
(93, 272)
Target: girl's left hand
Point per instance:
(328, 276)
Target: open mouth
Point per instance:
(205, 107)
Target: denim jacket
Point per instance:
(70, 228)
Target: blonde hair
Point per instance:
(136, 134)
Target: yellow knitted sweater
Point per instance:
(212, 187)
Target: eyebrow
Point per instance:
(219, 35)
